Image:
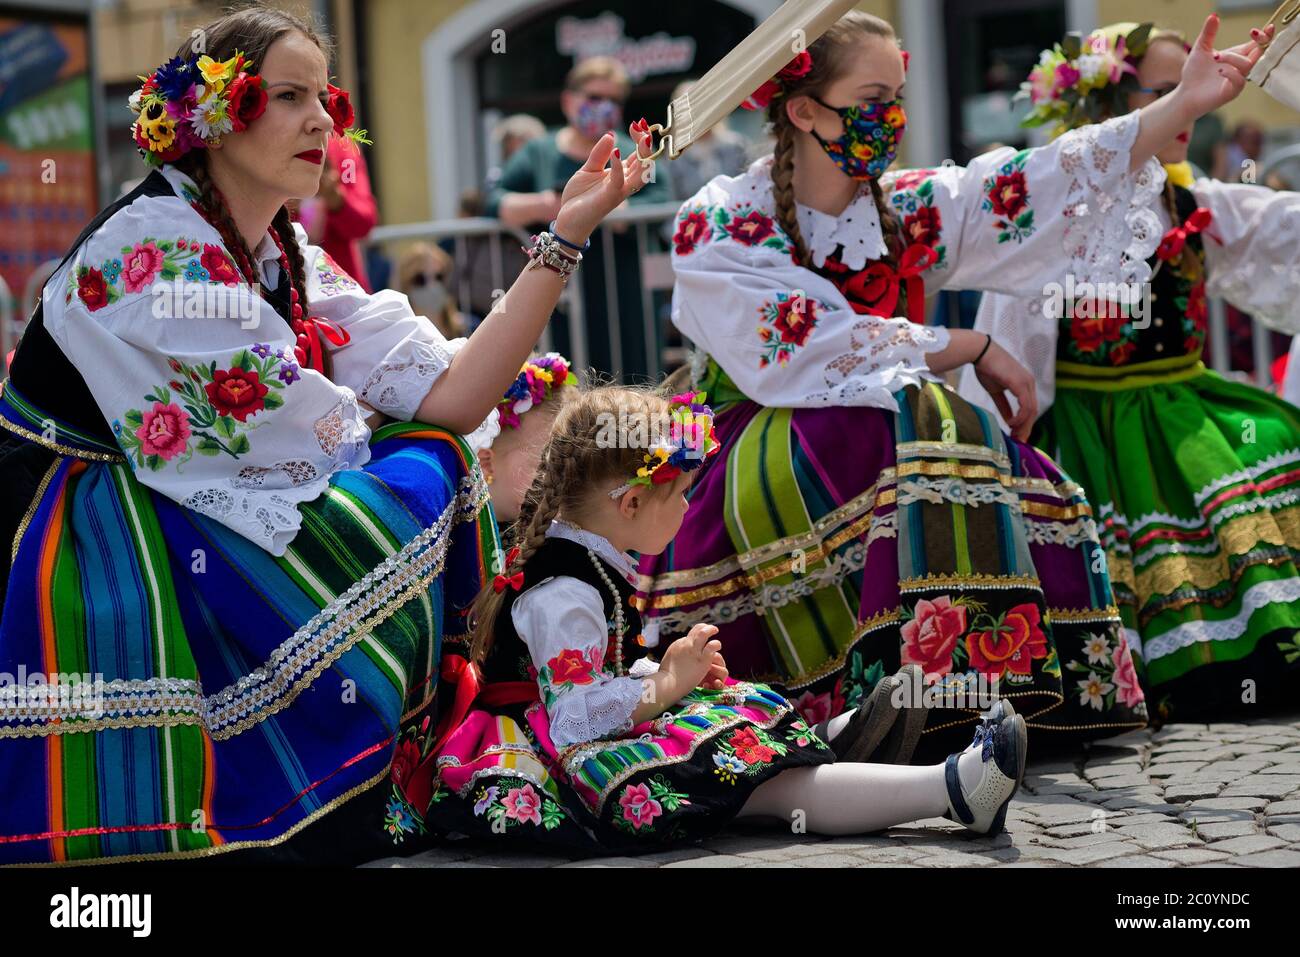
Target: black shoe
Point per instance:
(868, 726)
(903, 737)
(1004, 750)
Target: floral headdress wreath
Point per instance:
(796, 69)
(190, 104)
(536, 382)
(689, 442)
(1082, 80)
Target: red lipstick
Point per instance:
(311, 156)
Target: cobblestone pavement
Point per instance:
(1188, 795)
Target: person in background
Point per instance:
(1247, 143)
(527, 197)
(422, 276)
(719, 152)
(344, 212)
(472, 276)
(509, 135)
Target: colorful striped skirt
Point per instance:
(229, 699)
(1197, 484)
(854, 540)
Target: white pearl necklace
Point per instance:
(620, 624)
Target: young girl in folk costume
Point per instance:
(207, 521)
(580, 734)
(869, 514)
(1196, 479)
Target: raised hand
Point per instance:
(1213, 77)
(603, 182)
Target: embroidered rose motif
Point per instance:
(218, 265)
(930, 637)
(571, 667)
(746, 746)
(141, 265)
(1129, 691)
(523, 804)
(92, 290)
(912, 178)
(750, 229)
(924, 225)
(639, 808)
(1196, 307)
(1121, 353)
(692, 229)
(814, 708)
(236, 392)
(1009, 646)
(795, 319)
(165, 431)
(1009, 195)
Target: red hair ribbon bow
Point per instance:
(1171, 246)
(515, 581)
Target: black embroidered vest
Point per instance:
(1178, 311)
(509, 659)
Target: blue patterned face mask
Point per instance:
(596, 117)
(872, 132)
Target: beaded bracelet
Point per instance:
(564, 242)
(546, 254)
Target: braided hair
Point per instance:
(251, 30)
(830, 53)
(578, 465)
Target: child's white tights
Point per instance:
(853, 798)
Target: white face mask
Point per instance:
(429, 299)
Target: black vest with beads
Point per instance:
(509, 659)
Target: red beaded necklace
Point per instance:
(308, 348)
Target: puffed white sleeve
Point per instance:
(562, 621)
(785, 335)
(1252, 250)
(196, 375)
(393, 356)
(1016, 221)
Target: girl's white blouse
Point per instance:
(164, 316)
(1009, 222)
(564, 615)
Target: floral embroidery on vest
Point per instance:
(1006, 196)
(205, 409)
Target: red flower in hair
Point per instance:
(797, 68)
(906, 57)
(247, 101)
(340, 109)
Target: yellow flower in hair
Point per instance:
(216, 73)
(158, 127)
(543, 374)
(655, 459)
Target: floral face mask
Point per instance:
(596, 117)
(872, 132)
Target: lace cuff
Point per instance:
(399, 384)
(603, 711)
(1113, 227)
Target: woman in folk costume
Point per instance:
(576, 730)
(208, 522)
(869, 514)
(1196, 479)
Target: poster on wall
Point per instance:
(47, 164)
